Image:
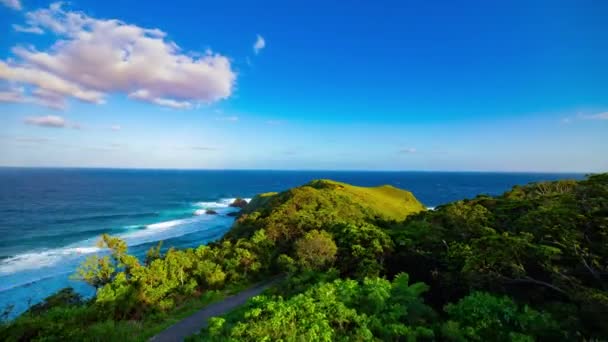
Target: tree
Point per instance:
(362, 248)
(316, 250)
(484, 317)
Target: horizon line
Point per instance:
(288, 170)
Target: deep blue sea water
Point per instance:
(51, 218)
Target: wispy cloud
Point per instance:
(227, 118)
(196, 148)
(203, 148)
(53, 121)
(14, 4)
(33, 140)
(275, 122)
(409, 150)
(92, 58)
(115, 128)
(260, 43)
(581, 116)
(28, 29)
(13, 94)
(598, 116)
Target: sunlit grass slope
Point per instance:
(320, 204)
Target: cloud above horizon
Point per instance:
(14, 4)
(409, 150)
(598, 116)
(259, 44)
(52, 121)
(580, 116)
(232, 118)
(96, 57)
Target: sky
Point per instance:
(358, 85)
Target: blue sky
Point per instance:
(404, 85)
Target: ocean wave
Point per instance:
(28, 267)
(222, 203)
(42, 259)
(97, 218)
(134, 235)
(167, 224)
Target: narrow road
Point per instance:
(194, 323)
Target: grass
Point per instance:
(387, 200)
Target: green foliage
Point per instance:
(484, 317)
(362, 248)
(316, 250)
(64, 297)
(342, 309)
(320, 205)
(540, 243)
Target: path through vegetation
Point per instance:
(194, 323)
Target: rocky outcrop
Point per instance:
(239, 203)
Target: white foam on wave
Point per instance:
(41, 259)
(50, 257)
(166, 224)
(222, 203)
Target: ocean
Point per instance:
(50, 219)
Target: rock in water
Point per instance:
(210, 212)
(239, 203)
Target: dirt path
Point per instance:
(194, 323)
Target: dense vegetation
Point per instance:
(365, 264)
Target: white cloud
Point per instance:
(228, 118)
(259, 44)
(47, 83)
(203, 148)
(598, 116)
(33, 140)
(47, 121)
(409, 150)
(39, 96)
(581, 116)
(115, 128)
(28, 29)
(145, 95)
(14, 4)
(95, 57)
(14, 94)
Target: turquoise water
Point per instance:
(51, 218)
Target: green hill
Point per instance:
(321, 204)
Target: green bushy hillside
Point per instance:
(321, 204)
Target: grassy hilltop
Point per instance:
(321, 204)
